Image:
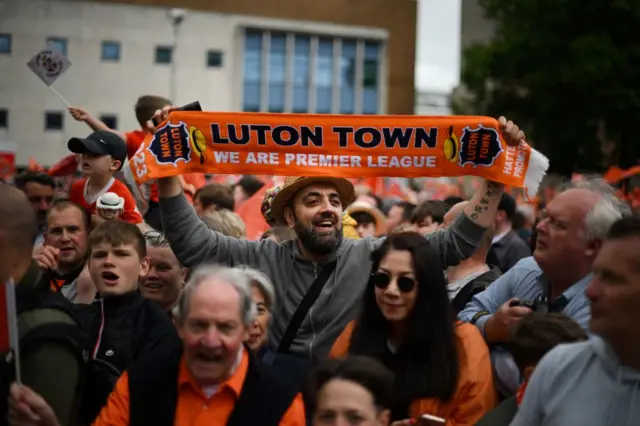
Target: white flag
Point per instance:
(49, 64)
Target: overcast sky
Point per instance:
(438, 45)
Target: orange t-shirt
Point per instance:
(133, 140)
(78, 195)
(194, 406)
(474, 396)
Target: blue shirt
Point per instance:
(524, 281)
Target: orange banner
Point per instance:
(335, 145)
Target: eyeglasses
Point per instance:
(382, 281)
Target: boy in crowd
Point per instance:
(125, 326)
(428, 216)
(533, 337)
(145, 107)
(103, 154)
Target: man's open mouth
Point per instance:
(110, 277)
(209, 357)
(153, 285)
(324, 225)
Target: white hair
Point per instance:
(235, 277)
(262, 282)
(608, 209)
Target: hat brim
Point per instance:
(378, 216)
(344, 187)
(86, 146)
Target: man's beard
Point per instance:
(315, 243)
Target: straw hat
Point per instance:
(377, 215)
(293, 184)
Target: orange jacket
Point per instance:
(474, 395)
(194, 407)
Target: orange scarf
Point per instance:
(335, 145)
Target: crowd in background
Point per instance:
(346, 303)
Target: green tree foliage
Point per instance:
(568, 71)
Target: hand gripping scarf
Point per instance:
(347, 146)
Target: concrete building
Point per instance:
(433, 103)
(231, 55)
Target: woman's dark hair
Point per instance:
(426, 362)
(366, 372)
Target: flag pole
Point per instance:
(55, 92)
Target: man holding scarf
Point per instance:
(313, 207)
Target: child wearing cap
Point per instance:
(103, 154)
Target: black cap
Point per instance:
(100, 143)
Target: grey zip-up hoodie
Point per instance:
(581, 384)
(292, 275)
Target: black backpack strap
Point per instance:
(303, 308)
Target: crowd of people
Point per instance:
(350, 309)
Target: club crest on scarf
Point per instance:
(479, 147)
(171, 144)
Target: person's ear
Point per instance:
(144, 267)
(183, 274)
(115, 165)
(289, 217)
(593, 247)
(384, 418)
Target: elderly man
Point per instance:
(313, 207)
(554, 278)
(596, 382)
(215, 380)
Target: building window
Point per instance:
(214, 59)
(111, 121)
(5, 44)
(252, 71)
(347, 81)
(60, 43)
(286, 72)
(53, 121)
(110, 51)
(4, 118)
(301, 60)
(164, 54)
(277, 71)
(370, 79)
(324, 76)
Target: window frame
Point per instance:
(111, 43)
(63, 40)
(47, 114)
(157, 51)
(9, 39)
(211, 53)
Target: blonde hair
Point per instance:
(226, 222)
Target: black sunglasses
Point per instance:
(382, 281)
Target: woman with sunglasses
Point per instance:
(441, 366)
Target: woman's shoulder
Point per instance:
(470, 337)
